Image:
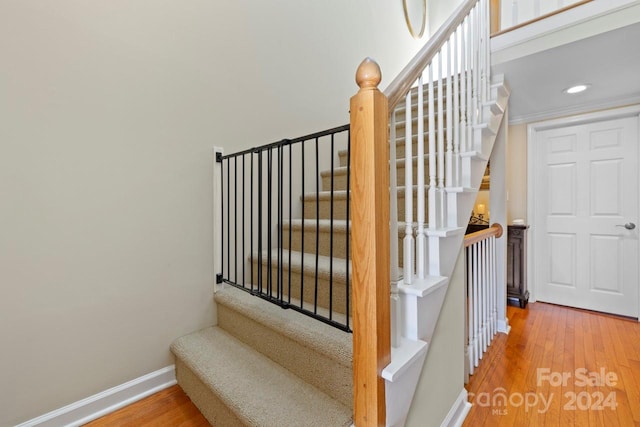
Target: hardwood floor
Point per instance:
(169, 407)
(559, 367)
(545, 343)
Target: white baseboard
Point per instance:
(98, 405)
(503, 326)
(458, 411)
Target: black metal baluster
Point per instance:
(331, 236)
(222, 221)
(269, 227)
(229, 218)
(302, 234)
(280, 221)
(254, 278)
(244, 225)
(259, 185)
(235, 219)
(290, 219)
(315, 298)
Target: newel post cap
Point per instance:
(368, 75)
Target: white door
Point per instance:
(586, 192)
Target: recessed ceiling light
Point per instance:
(577, 89)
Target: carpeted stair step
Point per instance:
(340, 174)
(317, 237)
(319, 205)
(234, 385)
(400, 139)
(322, 231)
(318, 353)
(299, 273)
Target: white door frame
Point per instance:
(532, 146)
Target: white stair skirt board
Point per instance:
(106, 402)
(458, 411)
(401, 379)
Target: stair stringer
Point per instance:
(421, 303)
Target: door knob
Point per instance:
(628, 226)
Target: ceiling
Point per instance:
(609, 62)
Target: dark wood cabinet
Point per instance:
(517, 264)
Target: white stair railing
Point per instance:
(482, 292)
(454, 64)
(451, 70)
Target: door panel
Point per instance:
(586, 180)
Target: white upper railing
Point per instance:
(515, 13)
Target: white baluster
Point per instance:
(482, 57)
(463, 85)
(487, 49)
(469, 100)
(482, 299)
(490, 262)
(408, 194)
(470, 309)
(456, 112)
(393, 202)
(421, 239)
(476, 297)
(476, 65)
(485, 303)
(449, 131)
(494, 280)
(432, 154)
(491, 291)
(394, 312)
(440, 202)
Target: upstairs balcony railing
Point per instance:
(508, 15)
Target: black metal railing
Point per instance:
(285, 224)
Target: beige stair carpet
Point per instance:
(232, 384)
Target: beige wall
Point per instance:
(109, 114)
(517, 173)
(516, 176)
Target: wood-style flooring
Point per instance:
(170, 407)
(546, 343)
(559, 367)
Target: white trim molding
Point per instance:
(574, 24)
(458, 412)
(576, 110)
(106, 402)
(503, 326)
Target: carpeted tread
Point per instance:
(324, 339)
(257, 390)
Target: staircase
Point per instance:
(265, 366)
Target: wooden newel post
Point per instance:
(370, 245)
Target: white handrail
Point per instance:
(398, 88)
